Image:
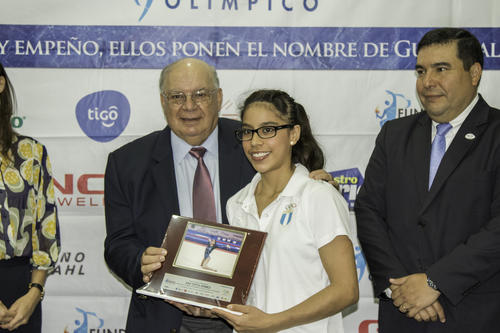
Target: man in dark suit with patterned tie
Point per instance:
(428, 213)
(152, 178)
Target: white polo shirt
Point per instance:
(307, 215)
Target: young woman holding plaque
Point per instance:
(306, 274)
(29, 230)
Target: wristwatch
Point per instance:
(39, 287)
(431, 284)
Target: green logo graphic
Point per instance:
(17, 122)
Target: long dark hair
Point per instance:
(7, 105)
(306, 151)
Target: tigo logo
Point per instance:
(103, 115)
(397, 106)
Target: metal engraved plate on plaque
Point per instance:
(197, 287)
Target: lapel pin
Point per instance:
(470, 136)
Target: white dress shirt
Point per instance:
(305, 216)
(455, 123)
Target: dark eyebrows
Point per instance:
(267, 123)
(441, 64)
(435, 65)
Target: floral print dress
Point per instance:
(29, 225)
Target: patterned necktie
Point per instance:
(438, 149)
(203, 194)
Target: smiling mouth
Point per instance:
(107, 125)
(259, 156)
(432, 95)
(190, 119)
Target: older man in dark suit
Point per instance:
(428, 213)
(151, 178)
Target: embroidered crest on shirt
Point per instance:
(286, 217)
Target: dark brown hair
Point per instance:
(7, 105)
(468, 47)
(307, 150)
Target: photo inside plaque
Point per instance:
(209, 249)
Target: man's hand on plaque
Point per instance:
(193, 310)
(151, 260)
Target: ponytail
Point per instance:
(307, 150)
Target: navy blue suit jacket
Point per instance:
(140, 197)
(451, 232)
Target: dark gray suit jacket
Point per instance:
(451, 232)
(140, 197)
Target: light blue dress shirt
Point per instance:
(185, 167)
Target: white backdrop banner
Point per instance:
(86, 77)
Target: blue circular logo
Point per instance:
(103, 115)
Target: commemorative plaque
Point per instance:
(208, 264)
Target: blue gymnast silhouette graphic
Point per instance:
(360, 262)
(392, 107)
(146, 7)
(83, 328)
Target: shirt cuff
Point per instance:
(387, 293)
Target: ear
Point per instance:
(163, 101)
(2, 83)
(219, 99)
(475, 72)
(164, 106)
(295, 134)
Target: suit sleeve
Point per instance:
(122, 248)
(475, 260)
(370, 209)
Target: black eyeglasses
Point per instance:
(264, 132)
(202, 96)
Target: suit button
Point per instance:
(173, 330)
(421, 223)
(142, 297)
